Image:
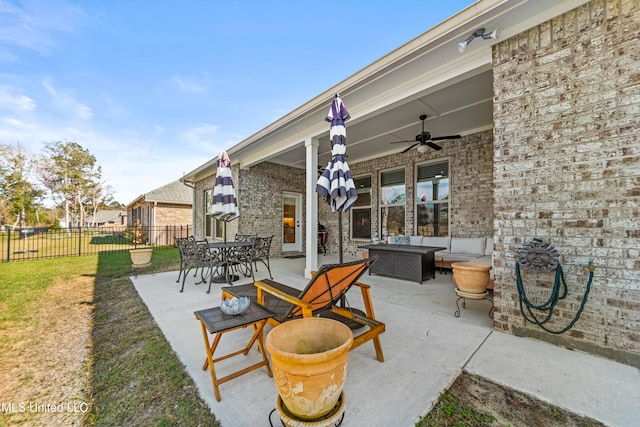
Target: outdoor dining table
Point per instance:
(225, 249)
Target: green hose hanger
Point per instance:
(538, 256)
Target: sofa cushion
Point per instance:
(458, 257)
(415, 240)
(467, 245)
(442, 242)
(488, 246)
(486, 259)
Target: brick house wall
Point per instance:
(176, 216)
(261, 209)
(172, 214)
(198, 204)
(470, 177)
(259, 191)
(567, 170)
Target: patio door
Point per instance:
(291, 222)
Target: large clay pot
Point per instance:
(309, 362)
(471, 277)
(141, 257)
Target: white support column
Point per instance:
(311, 218)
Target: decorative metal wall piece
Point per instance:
(538, 256)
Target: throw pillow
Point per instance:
(402, 240)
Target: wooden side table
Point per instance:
(214, 321)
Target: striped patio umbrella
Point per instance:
(224, 204)
(335, 184)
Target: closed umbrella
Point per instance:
(335, 184)
(224, 204)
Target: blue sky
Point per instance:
(156, 89)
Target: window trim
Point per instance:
(362, 208)
(208, 216)
(382, 205)
(446, 201)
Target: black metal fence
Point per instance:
(34, 243)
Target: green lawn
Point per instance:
(129, 374)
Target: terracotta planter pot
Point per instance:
(309, 363)
(141, 257)
(471, 277)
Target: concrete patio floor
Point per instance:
(425, 348)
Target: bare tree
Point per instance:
(100, 196)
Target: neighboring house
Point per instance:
(166, 206)
(548, 115)
(107, 218)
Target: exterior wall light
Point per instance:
(477, 33)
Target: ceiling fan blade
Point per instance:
(439, 138)
(402, 142)
(434, 146)
(407, 149)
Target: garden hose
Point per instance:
(550, 304)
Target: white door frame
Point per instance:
(297, 245)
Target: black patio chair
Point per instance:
(240, 258)
(245, 237)
(260, 252)
(322, 239)
(200, 256)
(182, 243)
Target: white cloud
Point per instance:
(133, 161)
(30, 25)
(130, 164)
(192, 86)
(114, 109)
(201, 136)
(208, 139)
(65, 99)
(14, 101)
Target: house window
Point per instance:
(136, 214)
(392, 201)
(212, 227)
(432, 199)
(361, 209)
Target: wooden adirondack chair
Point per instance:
(321, 297)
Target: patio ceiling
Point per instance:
(427, 75)
(464, 108)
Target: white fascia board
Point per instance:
(540, 12)
(273, 149)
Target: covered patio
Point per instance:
(547, 150)
(425, 348)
